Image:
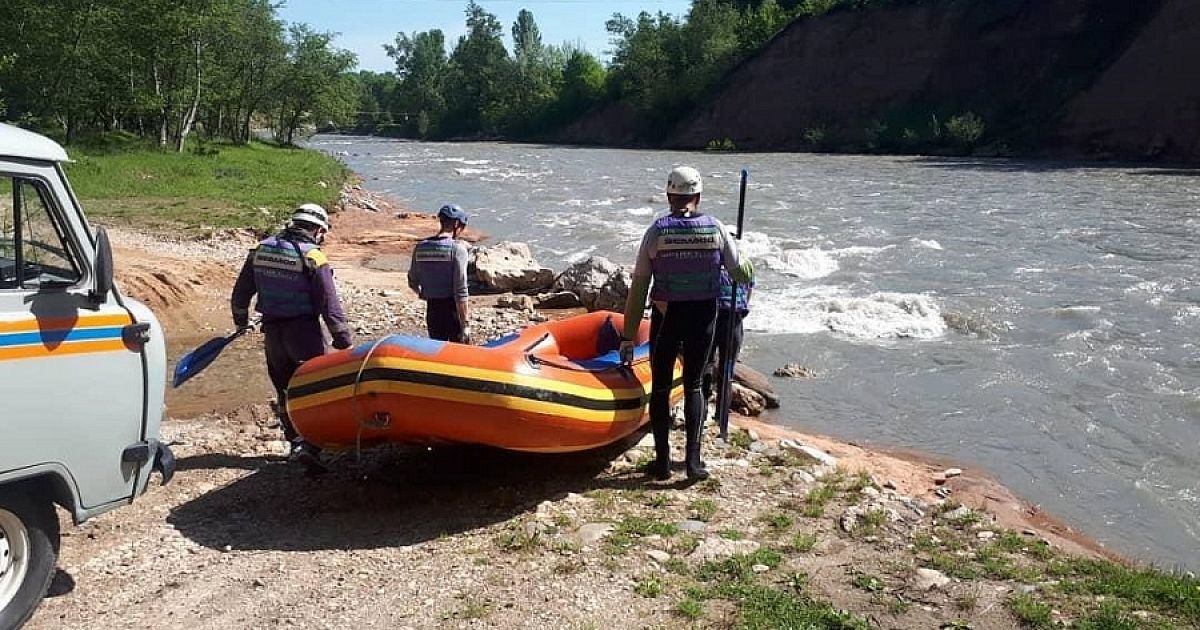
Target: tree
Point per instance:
(422, 68)
(315, 85)
(582, 87)
(479, 66)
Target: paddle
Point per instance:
(195, 361)
(724, 398)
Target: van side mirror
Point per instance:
(103, 268)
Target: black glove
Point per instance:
(241, 320)
(341, 341)
(627, 348)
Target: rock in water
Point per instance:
(794, 370)
(750, 378)
(510, 267)
(599, 283)
(747, 401)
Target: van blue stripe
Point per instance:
(59, 336)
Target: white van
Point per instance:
(82, 373)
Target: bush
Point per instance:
(965, 130)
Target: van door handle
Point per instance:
(136, 334)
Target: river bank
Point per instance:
(784, 536)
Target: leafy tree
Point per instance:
(583, 85)
(479, 67)
(422, 69)
(315, 87)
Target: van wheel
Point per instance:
(28, 554)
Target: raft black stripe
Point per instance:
(472, 385)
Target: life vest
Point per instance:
(434, 259)
(743, 293)
(687, 260)
(283, 276)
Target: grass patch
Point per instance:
(518, 538)
(777, 521)
(731, 534)
(1031, 612)
(1168, 594)
(868, 582)
(739, 567)
(766, 608)
(224, 186)
(817, 498)
(649, 587)
(804, 543)
(741, 439)
(689, 608)
(631, 528)
(703, 509)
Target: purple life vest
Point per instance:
(283, 279)
(687, 260)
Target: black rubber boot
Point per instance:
(694, 411)
(661, 468)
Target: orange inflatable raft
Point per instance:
(554, 387)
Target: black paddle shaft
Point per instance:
(727, 359)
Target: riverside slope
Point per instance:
(1075, 78)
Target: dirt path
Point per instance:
(447, 538)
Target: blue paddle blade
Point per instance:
(193, 362)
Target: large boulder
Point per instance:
(599, 283)
(507, 266)
(753, 379)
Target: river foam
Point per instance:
(881, 315)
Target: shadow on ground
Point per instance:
(394, 497)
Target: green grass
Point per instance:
(1030, 612)
(817, 498)
(739, 567)
(777, 521)
(649, 587)
(766, 608)
(689, 608)
(703, 509)
(221, 186)
(632, 528)
(868, 582)
(1169, 594)
(804, 543)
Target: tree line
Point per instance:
(661, 64)
(166, 69)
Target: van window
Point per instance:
(34, 249)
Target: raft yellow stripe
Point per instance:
(596, 392)
(470, 398)
(68, 348)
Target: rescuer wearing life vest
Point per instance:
(295, 287)
(725, 319)
(438, 274)
(681, 255)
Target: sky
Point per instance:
(365, 25)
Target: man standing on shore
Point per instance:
(682, 254)
(725, 319)
(295, 287)
(438, 274)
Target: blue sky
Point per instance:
(365, 25)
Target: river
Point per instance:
(1033, 319)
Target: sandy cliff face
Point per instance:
(1147, 104)
(1080, 77)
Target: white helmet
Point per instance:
(313, 214)
(684, 180)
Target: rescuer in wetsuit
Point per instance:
(681, 255)
(295, 287)
(438, 274)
